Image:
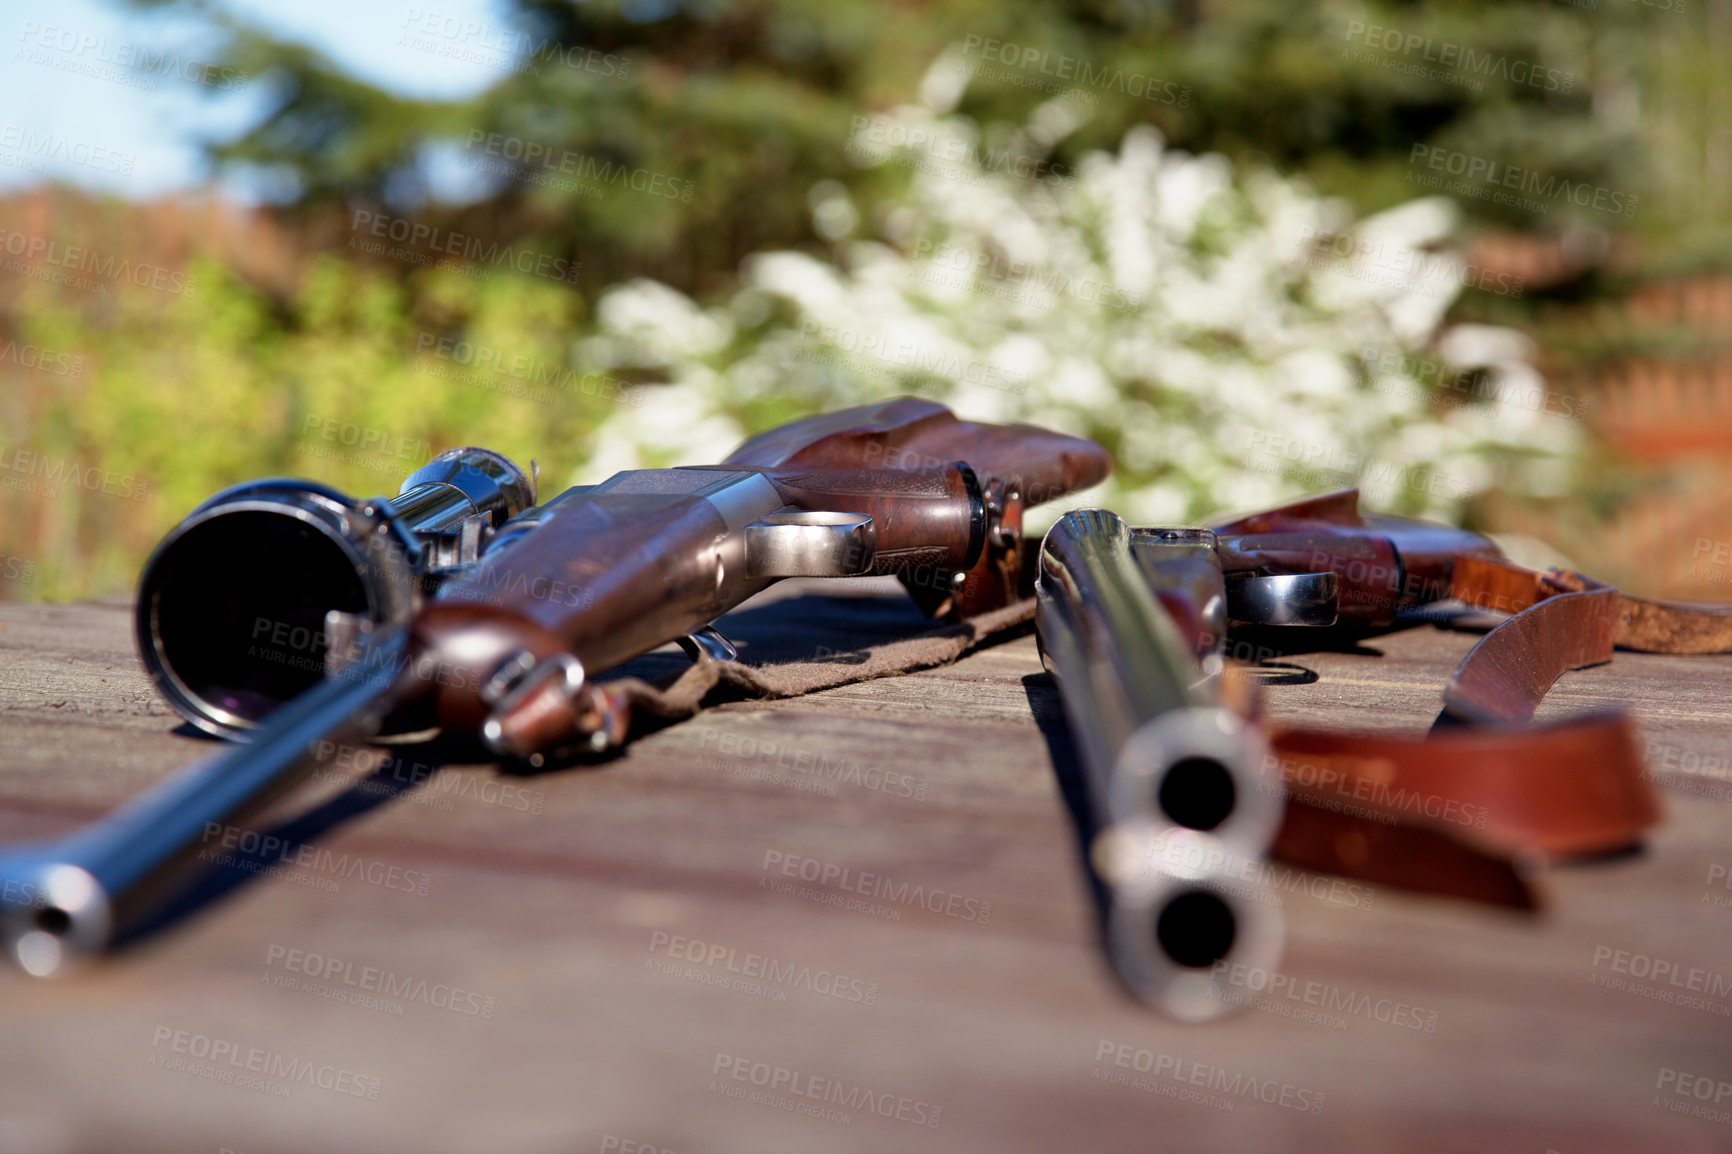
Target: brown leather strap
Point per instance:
(1410, 857)
(1561, 622)
(1466, 813)
(1642, 624)
(1504, 586)
(1673, 626)
(1574, 787)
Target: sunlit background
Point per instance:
(1472, 257)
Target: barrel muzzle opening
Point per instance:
(1177, 943)
(1203, 769)
(1197, 793)
(53, 917)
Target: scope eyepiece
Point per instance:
(232, 605)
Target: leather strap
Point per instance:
(1642, 624)
(1560, 623)
(1466, 811)
(1412, 857)
(1563, 620)
(1673, 626)
(1570, 788)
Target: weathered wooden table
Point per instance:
(851, 921)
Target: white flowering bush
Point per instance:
(1232, 339)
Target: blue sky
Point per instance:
(74, 106)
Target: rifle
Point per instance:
(457, 606)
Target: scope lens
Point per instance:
(1196, 929)
(238, 607)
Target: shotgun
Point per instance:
(1186, 790)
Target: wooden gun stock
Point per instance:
(889, 444)
(910, 433)
(901, 488)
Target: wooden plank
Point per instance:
(552, 903)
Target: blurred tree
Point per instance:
(725, 113)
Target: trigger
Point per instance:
(709, 641)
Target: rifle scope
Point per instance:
(233, 604)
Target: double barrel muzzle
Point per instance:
(1191, 814)
(1177, 795)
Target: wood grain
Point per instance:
(547, 896)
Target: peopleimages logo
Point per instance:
(1077, 71)
(37, 473)
(1702, 1087)
(103, 58)
(802, 1090)
(253, 1067)
(511, 50)
(77, 262)
(423, 244)
(1381, 799)
(1460, 57)
(23, 571)
(763, 968)
(42, 359)
(875, 886)
(1252, 877)
(1526, 182)
(876, 139)
(543, 380)
(871, 353)
(1694, 1095)
(251, 850)
(367, 440)
(1273, 452)
(1661, 980)
(1290, 997)
(342, 761)
(1408, 267)
(52, 146)
(1424, 381)
(530, 156)
(773, 758)
(1209, 1085)
(354, 979)
(981, 266)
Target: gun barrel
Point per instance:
(1157, 747)
(66, 900)
(1174, 780)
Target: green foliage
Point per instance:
(752, 101)
(354, 381)
(744, 110)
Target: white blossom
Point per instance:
(1233, 339)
